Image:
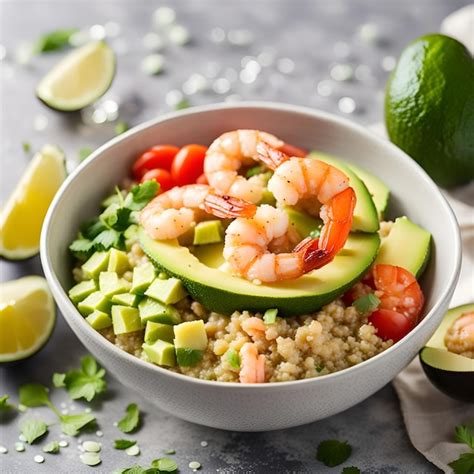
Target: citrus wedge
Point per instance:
(22, 217)
(79, 79)
(27, 317)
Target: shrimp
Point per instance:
(232, 150)
(460, 336)
(174, 212)
(254, 327)
(247, 241)
(398, 291)
(252, 365)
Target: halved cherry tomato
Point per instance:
(390, 324)
(188, 164)
(202, 179)
(162, 177)
(159, 156)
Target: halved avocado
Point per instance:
(451, 373)
(225, 293)
(407, 245)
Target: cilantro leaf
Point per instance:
(107, 239)
(464, 435)
(131, 420)
(116, 217)
(33, 429)
(72, 424)
(54, 40)
(121, 127)
(123, 443)
(165, 464)
(82, 249)
(34, 395)
(366, 304)
(4, 405)
(134, 470)
(182, 104)
(84, 153)
(52, 448)
(141, 194)
(92, 228)
(333, 452)
(233, 358)
(58, 380)
(351, 470)
(464, 464)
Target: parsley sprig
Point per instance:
(4, 405)
(131, 420)
(107, 230)
(465, 463)
(332, 452)
(158, 466)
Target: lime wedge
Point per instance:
(79, 79)
(22, 217)
(27, 317)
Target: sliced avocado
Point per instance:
(188, 357)
(160, 352)
(152, 310)
(168, 291)
(125, 319)
(99, 320)
(118, 262)
(191, 335)
(97, 263)
(82, 290)
(143, 276)
(451, 373)
(222, 292)
(126, 299)
(110, 284)
(95, 301)
(365, 214)
(155, 331)
(407, 246)
(303, 223)
(208, 232)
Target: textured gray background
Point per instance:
(306, 32)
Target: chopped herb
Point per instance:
(4, 405)
(34, 395)
(107, 239)
(270, 316)
(141, 194)
(131, 420)
(86, 382)
(187, 357)
(165, 465)
(170, 451)
(233, 358)
(351, 470)
(73, 424)
(254, 171)
(92, 228)
(333, 452)
(26, 147)
(366, 304)
(464, 464)
(121, 127)
(182, 104)
(52, 448)
(33, 429)
(54, 40)
(135, 470)
(116, 217)
(123, 443)
(320, 368)
(463, 434)
(84, 153)
(82, 249)
(58, 380)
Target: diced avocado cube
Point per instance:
(99, 320)
(126, 299)
(110, 284)
(155, 331)
(208, 232)
(118, 262)
(125, 319)
(131, 232)
(270, 316)
(97, 263)
(191, 335)
(188, 357)
(152, 310)
(95, 301)
(160, 352)
(143, 277)
(267, 198)
(168, 291)
(82, 290)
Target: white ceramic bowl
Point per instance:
(272, 406)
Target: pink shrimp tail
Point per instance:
(269, 155)
(226, 207)
(292, 150)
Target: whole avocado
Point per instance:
(429, 107)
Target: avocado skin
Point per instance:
(457, 385)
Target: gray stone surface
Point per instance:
(312, 34)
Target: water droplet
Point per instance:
(40, 123)
(153, 42)
(174, 97)
(63, 444)
(286, 65)
(221, 85)
(112, 29)
(389, 63)
(204, 443)
(64, 411)
(153, 64)
(194, 465)
(164, 16)
(195, 83)
(253, 67)
(266, 57)
(22, 438)
(341, 49)
(347, 105)
(325, 88)
(217, 35)
(99, 116)
(87, 410)
(3, 450)
(38, 458)
(211, 70)
(63, 405)
(247, 77)
(111, 109)
(342, 72)
(240, 37)
(97, 32)
(179, 35)
(91, 446)
(99, 433)
(363, 73)
(133, 450)
(369, 32)
(20, 447)
(90, 459)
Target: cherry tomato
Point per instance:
(188, 164)
(162, 177)
(202, 179)
(390, 324)
(159, 156)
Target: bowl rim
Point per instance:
(63, 300)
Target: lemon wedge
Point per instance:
(79, 79)
(22, 217)
(27, 317)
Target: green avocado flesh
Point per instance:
(407, 246)
(444, 360)
(225, 293)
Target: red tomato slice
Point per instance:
(202, 179)
(188, 164)
(390, 324)
(162, 177)
(159, 156)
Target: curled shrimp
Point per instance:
(247, 241)
(254, 327)
(460, 336)
(173, 213)
(252, 365)
(233, 150)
